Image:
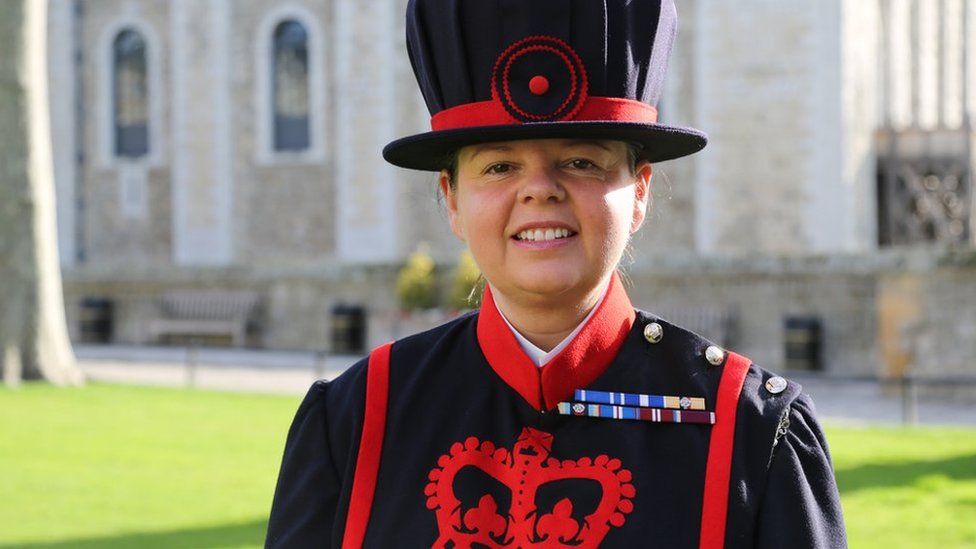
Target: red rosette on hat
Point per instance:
(539, 79)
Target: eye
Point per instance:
(582, 164)
(498, 168)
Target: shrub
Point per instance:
(467, 284)
(415, 286)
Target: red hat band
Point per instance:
(541, 79)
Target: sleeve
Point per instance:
(801, 505)
(307, 493)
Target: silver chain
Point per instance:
(783, 428)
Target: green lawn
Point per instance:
(113, 467)
(118, 467)
(907, 488)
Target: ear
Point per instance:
(450, 201)
(642, 194)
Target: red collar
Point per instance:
(575, 367)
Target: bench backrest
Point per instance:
(209, 304)
(717, 325)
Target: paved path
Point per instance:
(870, 402)
(278, 372)
(284, 372)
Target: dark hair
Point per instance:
(451, 163)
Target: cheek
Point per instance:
(613, 219)
(480, 215)
(618, 212)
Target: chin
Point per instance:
(553, 283)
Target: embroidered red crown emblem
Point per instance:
(523, 471)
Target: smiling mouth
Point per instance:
(543, 235)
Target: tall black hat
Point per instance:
(498, 70)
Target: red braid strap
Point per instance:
(370, 447)
(718, 469)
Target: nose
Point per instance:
(542, 187)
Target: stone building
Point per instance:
(226, 145)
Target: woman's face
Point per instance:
(546, 219)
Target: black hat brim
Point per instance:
(432, 151)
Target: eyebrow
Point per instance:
(593, 142)
(485, 148)
(571, 143)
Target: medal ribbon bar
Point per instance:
(656, 415)
(643, 401)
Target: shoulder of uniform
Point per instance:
(763, 411)
(699, 351)
(765, 389)
(350, 386)
(678, 343)
(765, 397)
(423, 342)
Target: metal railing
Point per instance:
(907, 387)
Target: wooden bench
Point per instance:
(205, 313)
(718, 325)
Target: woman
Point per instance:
(557, 416)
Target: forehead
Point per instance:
(552, 146)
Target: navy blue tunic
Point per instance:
(447, 404)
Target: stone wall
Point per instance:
(126, 209)
(760, 293)
(791, 93)
(211, 192)
(762, 79)
(882, 314)
(938, 333)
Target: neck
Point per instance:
(546, 323)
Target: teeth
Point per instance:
(539, 235)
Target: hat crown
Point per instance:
(609, 48)
(503, 70)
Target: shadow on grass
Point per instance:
(890, 475)
(227, 535)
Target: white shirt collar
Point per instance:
(541, 357)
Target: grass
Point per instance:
(111, 466)
(114, 467)
(907, 487)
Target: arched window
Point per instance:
(130, 94)
(291, 87)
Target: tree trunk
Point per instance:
(33, 331)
